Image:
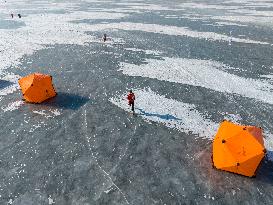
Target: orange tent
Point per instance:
(37, 87)
(238, 149)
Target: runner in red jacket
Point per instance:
(131, 100)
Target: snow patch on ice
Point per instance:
(269, 77)
(250, 3)
(208, 6)
(222, 23)
(56, 112)
(13, 106)
(174, 114)
(111, 41)
(36, 126)
(48, 29)
(108, 190)
(243, 11)
(48, 113)
(232, 117)
(10, 201)
(41, 112)
(39, 32)
(266, 21)
(148, 52)
(153, 7)
(13, 79)
(50, 200)
(205, 73)
(9, 90)
(172, 30)
(16, 6)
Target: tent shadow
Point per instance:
(264, 173)
(219, 181)
(163, 117)
(67, 101)
(5, 83)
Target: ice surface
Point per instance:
(13, 84)
(234, 13)
(48, 29)
(50, 201)
(13, 106)
(222, 23)
(172, 113)
(204, 73)
(178, 115)
(84, 146)
(173, 30)
(148, 52)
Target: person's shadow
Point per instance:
(67, 101)
(164, 117)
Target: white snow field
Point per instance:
(172, 113)
(204, 73)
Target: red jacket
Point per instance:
(131, 97)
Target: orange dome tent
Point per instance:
(37, 87)
(238, 149)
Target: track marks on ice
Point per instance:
(106, 174)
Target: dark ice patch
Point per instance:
(5, 83)
(10, 24)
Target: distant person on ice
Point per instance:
(131, 100)
(11, 15)
(104, 37)
(19, 15)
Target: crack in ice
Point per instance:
(96, 160)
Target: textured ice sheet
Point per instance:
(39, 32)
(222, 23)
(178, 115)
(160, 170)
(48, 113)
(172, 113)
(243, 12)
(270, 77)
(48, 29)
(263, 20)
(148, 52)
(13, 106)
(18, 6)
(226, 6)
(9, 77)
(251, 3)
(195, 5)
(173, 30)
(204, 73)
(153, 7)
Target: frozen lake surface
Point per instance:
(191, 65)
